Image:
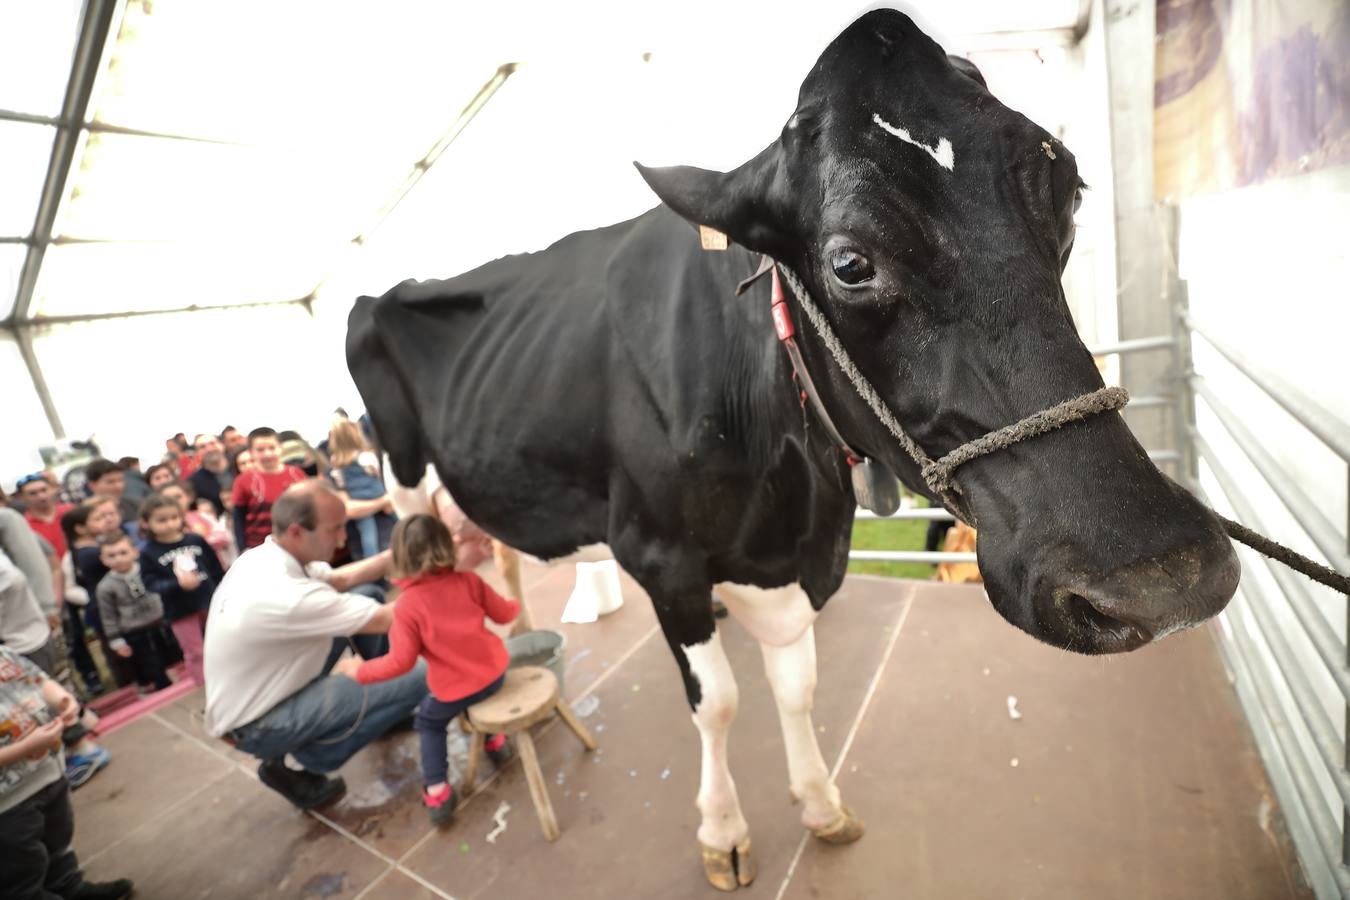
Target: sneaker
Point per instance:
(104, 890)
(498, 750)
(305, 790)
(80, 767)
(440, 806)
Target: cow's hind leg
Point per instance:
(723, 834)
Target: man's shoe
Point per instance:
(440, 806)
(104, 890)
(305, 790)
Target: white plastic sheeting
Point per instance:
(299, 127)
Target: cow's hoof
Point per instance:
(845, 831)
(729, 869)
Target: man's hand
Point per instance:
(45, 739)
(347, 666)
(188, 581)
(54, 622)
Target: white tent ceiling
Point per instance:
(165, 155)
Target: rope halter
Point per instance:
(940, 474)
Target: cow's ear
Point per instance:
(739, 202)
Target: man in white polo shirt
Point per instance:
(270, 642)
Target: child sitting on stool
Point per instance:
(439, 616)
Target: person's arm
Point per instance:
(240, 516)
(21, 546)
(107, 611)
(61, 700)
(239, 495)
(58, 586)
(363, 571)
(498, 608)
(404, 646)
(74, 593)
(364, 509)
(210, 565)
(34, 745)
(156, 578)
(380, 621)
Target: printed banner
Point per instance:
(1248, 90)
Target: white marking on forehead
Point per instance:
(942, 153)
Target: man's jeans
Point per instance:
(328, 720)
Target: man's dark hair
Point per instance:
(98, 468)
(285, 436)
(129, 462)
(260, 433)
(296, 507)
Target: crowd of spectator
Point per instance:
(110, 583)
(106, 581)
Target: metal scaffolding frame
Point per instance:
(95, 24)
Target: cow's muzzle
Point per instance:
(1141, 602)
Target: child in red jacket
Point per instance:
(439, 616)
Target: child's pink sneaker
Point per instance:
(440, 805)
(498, 750)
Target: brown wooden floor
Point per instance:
(1128, 777)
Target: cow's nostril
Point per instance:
(1097, 617)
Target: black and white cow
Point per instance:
(612, 390)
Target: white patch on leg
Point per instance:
(791, 670)
(409, 500)
(774, 616)
(942, 153)
(723, 825)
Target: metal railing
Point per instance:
(1267, 659)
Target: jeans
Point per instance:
(148, 652)
(368, 532)
(433, 717)
(324, 723)
(36, 858)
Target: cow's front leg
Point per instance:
(723, 834)
(792, 674)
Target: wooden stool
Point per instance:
(528, 695)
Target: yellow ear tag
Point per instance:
(711, 238)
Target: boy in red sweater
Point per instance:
(439, 616)
(255, 491)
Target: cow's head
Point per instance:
(931, 224)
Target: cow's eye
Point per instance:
(851, 268)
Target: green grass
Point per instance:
(890, 534)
